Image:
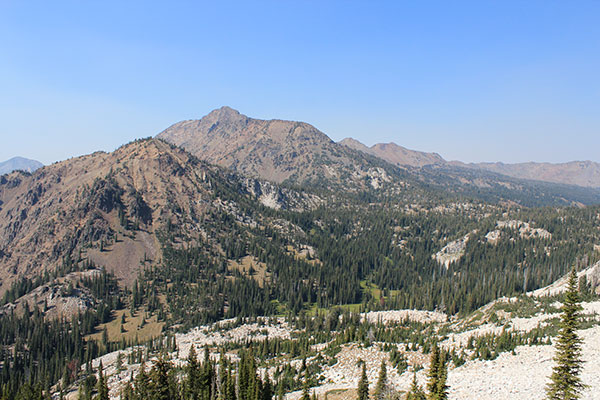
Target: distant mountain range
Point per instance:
(94, 199)
(580, 173)
(297, 153)
(19, 163)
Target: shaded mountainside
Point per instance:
(19, 163)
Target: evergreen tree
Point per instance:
(163, 383)
(438, 374)
(363, 384)
(230, 390)
(142, 383)
(565, 381)
(102, 386)
(442, 387)
(416, 392)
(119, 362)
(207, 377)
(280, 390)
(267, 389)
(381, 387)
(434, 373)
(127, 392)
(191, 383)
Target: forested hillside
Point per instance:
(114, 249)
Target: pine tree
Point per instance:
(206, 376)
(102, 386)
(433, 374)
(267, 389)
(363, 384)
(280, 390)
(438, 374)
(127, 392)
(191, 389)
(442, 387)
(381, 387)
(163, 384)
(119, 362)
(230, 393)
(565, 381)
(416, 392)
(142, 383)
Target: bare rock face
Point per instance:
(275, 150)
(110, 208)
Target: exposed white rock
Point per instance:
(493, 236)
(524, 375)
(525, 229)
(452, 252)
(386, 317)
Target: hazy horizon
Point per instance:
(471, 81)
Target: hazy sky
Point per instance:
(477, 81)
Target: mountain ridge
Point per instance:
(275, 150)
(297, 153)
(19, 163)
(580, 173)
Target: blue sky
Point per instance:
(480, 80)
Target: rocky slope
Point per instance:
(275, 150)
(518, 374)
(110, 207)
(19, 163)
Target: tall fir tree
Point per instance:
(381, 387)
(433, 374)
(565, 383)
(163, 382)
(363, 383)
(437, 375)
(305, 390)
(416, 392)
(192, 381)
(102, 385)
(442, 387)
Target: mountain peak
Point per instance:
(272, 149)
(224, 111)
(19, 163)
